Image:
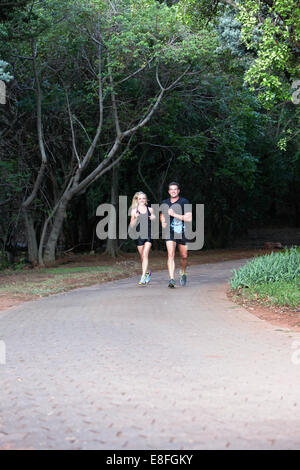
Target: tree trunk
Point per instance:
(31, 237)
(81, 211)
(49, 254)
(112, 247)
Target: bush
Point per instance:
(284, 266)
(4, 263)
(276, 293)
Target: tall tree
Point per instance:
(270, 29)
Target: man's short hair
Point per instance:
(175, 184)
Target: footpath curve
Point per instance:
(118, 366)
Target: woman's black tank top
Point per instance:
(146, 214)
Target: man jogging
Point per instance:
(173, 218)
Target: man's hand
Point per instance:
(163, 221)
(171, 212)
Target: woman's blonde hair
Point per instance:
(135, 198)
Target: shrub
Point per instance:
(284, 266)
(4, 263)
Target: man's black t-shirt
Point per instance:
(174, 225)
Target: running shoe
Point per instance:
(182, 279)
(142, 281)
(172, 283)
(148, 276)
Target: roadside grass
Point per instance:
(281, 293)
(273, 279)
(63, 271)
(54, 280)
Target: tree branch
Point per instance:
(114, 162)
(114, 104)
(141, 175)
(148, 116)
(41, 172)
(39, 105)
(136, 72)
(72, 131)
(90, 178)
(37, 184)
(92, 147)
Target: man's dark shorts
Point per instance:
(180, 241)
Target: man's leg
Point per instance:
(183, 251)
(171, 247)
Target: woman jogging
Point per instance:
(141, 216)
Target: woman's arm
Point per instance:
(134, 217)
(152, 215)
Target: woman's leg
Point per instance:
(145, 261)
(141, 251)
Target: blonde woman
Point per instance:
(141, 215)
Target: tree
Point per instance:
(111, 45)
(270, 29)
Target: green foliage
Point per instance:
(4, 263)
(282, 293)
(269, 30)
(271, 268)
(278, 24)
(4, 75)
(19, 266)
(229, 30)
(199, 13)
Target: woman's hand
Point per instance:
(134, 216)
(152, 216)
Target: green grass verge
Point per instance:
(274, 278)
(281, 293)
(79, 269)
(63, 271)
(53, 280)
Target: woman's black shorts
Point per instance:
(142, 241)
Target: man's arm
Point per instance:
(163, 221)
(184, 218)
